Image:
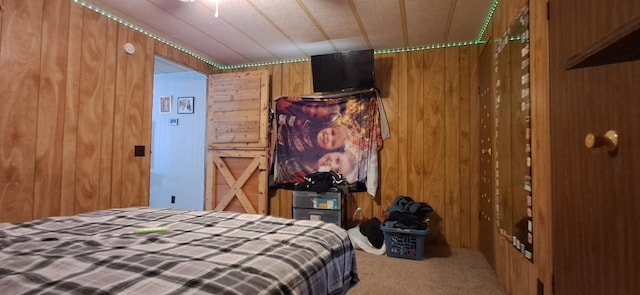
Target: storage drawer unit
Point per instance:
(328, 207)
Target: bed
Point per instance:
(203, 252)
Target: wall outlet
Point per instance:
(173, 199)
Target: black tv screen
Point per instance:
(349, 70)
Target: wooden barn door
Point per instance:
(237, 142)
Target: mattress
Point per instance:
(195, 252)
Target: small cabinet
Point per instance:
(328, 206)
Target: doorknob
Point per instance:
(609, 139)
(486, 151)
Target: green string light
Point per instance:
(259, 64)
(146, 33)
(487, 20)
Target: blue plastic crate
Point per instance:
(404, 243)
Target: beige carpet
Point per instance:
(447, 271)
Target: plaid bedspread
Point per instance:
(205, 252)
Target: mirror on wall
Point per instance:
(513, 136)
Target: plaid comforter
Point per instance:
(204, 252)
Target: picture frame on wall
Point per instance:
(185, 105)
(165, 104)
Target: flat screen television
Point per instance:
(343, 71)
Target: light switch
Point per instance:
(138, 151)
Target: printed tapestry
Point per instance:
(337, 133)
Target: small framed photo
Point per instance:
(185, 105)
(165, 104)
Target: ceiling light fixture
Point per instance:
(217, 8)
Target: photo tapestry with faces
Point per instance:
(338, 133)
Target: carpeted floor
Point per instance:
(446, 271)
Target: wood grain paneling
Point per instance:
(452, 141)
(20, 61)
(403, 126)
(427, 97)
(146, 126)
(133, 122)
(91, 91)
(387, 73)
(414, 148)
(433, 191)
(108, 111)
(51, 101)
(448, 122)
(474, 147)
(118, 121)
(540, 141)
(465, 145)
(237, 110)
(237, 181)
(68, 192)
(44, 167)
(75, 106)
(518, 275)
(170, 53)
(593, 255)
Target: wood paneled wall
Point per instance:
(431, 101)
(74, 106)
(517, 274)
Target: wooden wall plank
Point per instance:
(166, 51)
(452, 139)
(386, 72)
(465, 151)
(434, 142)
(308, 81)
(1, 1)
(297, 79)
(147, 128)
(286, 196)
(118, 121)
(276, 90)
(68, 186)
(108, 110)
(51, 109)
(133, 121)
(21, 23)
(503, 248)
(414, 148)
(92, 62)
(474, 147)
(541, 148)
(401, 156)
